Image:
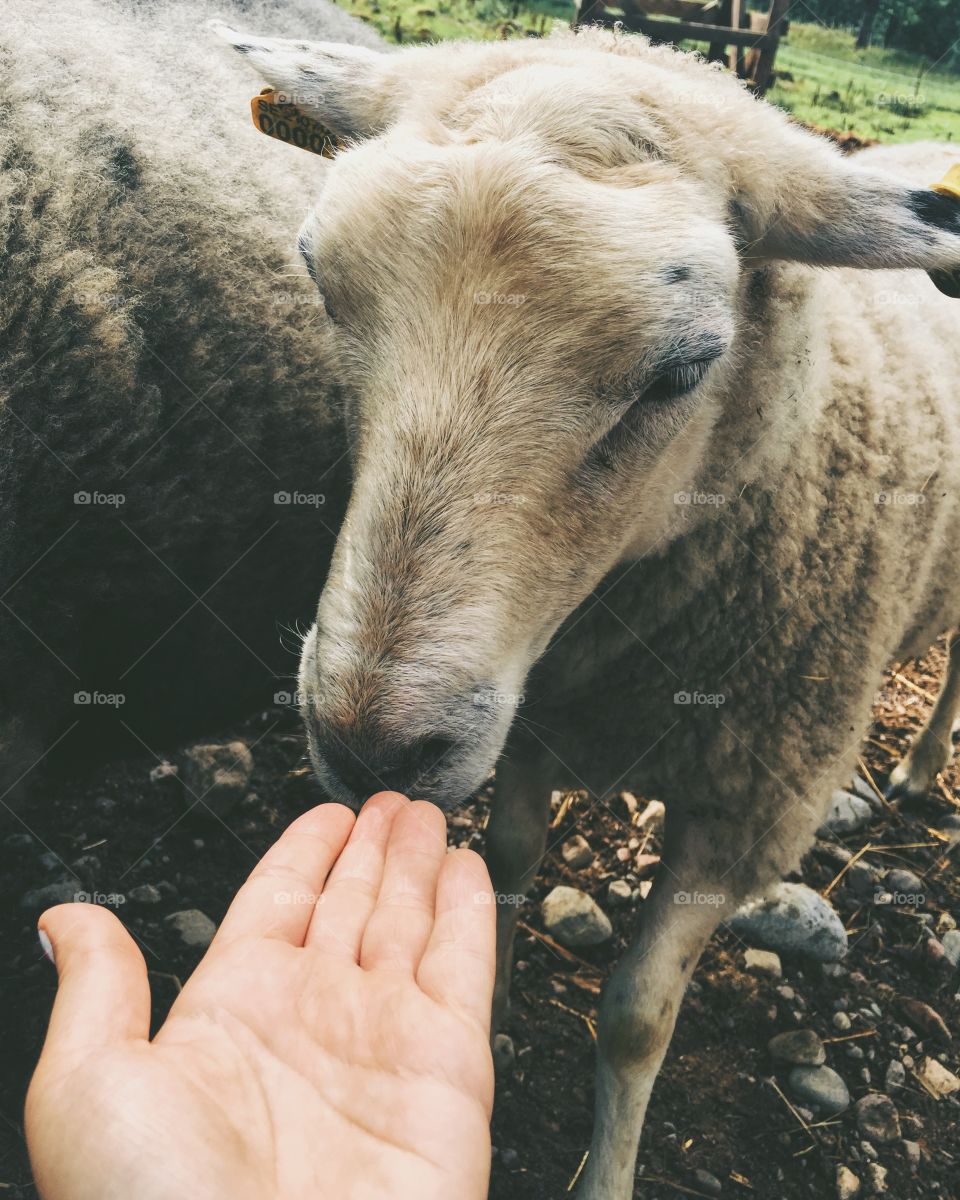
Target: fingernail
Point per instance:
(46, 946)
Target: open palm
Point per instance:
(333, 1042)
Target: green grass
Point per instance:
(885, 94)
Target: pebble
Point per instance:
(937, 1078)
(896, 1076)
(574, 918)
(793, 919)
(799, 1047)
(105, 805)
(911, 1152)
(923, 1015)
(504, 1054)
(821, 1086)
(164, 774)
(904, 883)
(709, 1184)
(510, 1158)
(877, 1118)
(623, 854)
(847, 813)
(194, 927)
(217, 773)
(144, 893)
(576, 853)
(848, 1185)
(63, 891)
(619, 893)
(876, 1179)
(763, 962)
(951, 947)
(841, 1022)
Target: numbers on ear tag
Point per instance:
(277, 117)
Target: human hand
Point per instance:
(333, 1042)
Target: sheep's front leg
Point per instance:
(641, 1001)
(914, 775)
(516, 838)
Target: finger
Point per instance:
(278, 898)
(400, 924)
(350, 893)
(459, 963)
(103, 996)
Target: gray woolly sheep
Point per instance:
(163, 375)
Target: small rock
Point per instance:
(576, 853)
(841, 1022)
(217, 775)
(194, 927)
(709, 1184)
(793, 919)
(821, 1086)
(951, 946)
(144, 893)
(901, 882)
(896, 1076)
(510, 1159)
(848, 1185)
(911, 1152)
(164, 774)
(866, 792)
(504, 1054)
(63, 891)
(625, 805)
(619, 893)
(847, 813)
(105, 805)
(574, 918)
(876, 1179)
(877, 1118)
(763, 962)
(928, 1019)
(623, 854)
(938, 1079)
(799, 1047)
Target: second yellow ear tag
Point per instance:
(277, 118)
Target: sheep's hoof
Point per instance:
(910, 782)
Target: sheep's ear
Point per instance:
(844, 215)
(344, 87)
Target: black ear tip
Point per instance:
(947, 282)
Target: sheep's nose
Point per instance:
(367, 764)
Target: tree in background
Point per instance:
(927, 27)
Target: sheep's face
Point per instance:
(527, 353)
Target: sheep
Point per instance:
(644, 496)
(164, 372)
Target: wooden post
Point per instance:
(768, 51)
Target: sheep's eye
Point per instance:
(675, 381)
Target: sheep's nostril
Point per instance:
(430, 754)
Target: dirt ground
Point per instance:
(718, 1105)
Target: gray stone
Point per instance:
(847, 813)
(164, 775)
(217, 775)
(911, 1152)
(619, 893)
(900, 882)
(194, 927)
(63, 891)
(878, 1119)
(876, 1179)
(820, 1086)
(848, 1185)
(576, 853)
(144, 893)
(951, 946)
(763, 962)
(841, 1022)
(574, 918)
(896, 1076)
(798, 1047)
(709, 1184)
(793, 919)
(504, 1054)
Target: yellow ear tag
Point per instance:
(949, 185)
(277, 118)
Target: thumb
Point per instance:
(103, 995)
